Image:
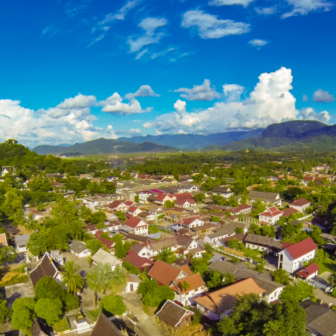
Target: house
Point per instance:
(292, 257)
(174, 316)
(79, 249)
(165, 274)
(142, 239)
(223, 191)
(110, 226)
(85, 176)
(146, 216)
(112, 178)
(220, 303)
(109, 244)
(320, 319)
(132, 283)
(288, 212)
(36, 214)
(104, 257)
(162, 198)
(190, 222)
(223, 267)
(105, 327)
(185, 203)
(270, 215)
(241, 209)
(262, 243)
(3, 240)
(118, 205)
(21, 243)
(133, 210)
(40, 328)
(46, 267)
(10, 170)
(240, 236)
(266, 197)
(138, 226)
(300, 204)
(139, 262)
(308, 272)
(223, 232)
(143, 195)
(154, 210)
(142, 250)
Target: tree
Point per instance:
(297, 292)
(153, 229)
(113, 304)
(12, 204)
(216, 279)
(239, 230)
(166, 255)
(86, 213)
(254, 317)
(169, 204)
(5, 312)
(94, 245)
(199, 265)
(7, 254)
(259, 207)
(136, 199)
(121, 216)
(49, 310)
(229, 279)
(281, 277)
(23, 314)
(30, 223)
(118, 280)
(71, 278)
(119, 249)
(199, 197)
(184, 285)
(98, 217)
(131, 268)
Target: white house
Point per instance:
(309, 272)
(270, 215)
(190, 222)
(195, 289)
(79, 249)
(223, 191)
(133, 210)
(106, 258)
(132, 284)
(10, 170)
(185, 203)
(223, 232)
(292, 257)
(300, 205)
(21, 243)
(139, 226)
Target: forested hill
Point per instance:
(291, 135)
(104, 146)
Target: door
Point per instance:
(131, 288)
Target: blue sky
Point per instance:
(77, 70)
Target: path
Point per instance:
(325, 297)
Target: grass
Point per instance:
(12, 275)
(196, 330)
(61, 325)
(94, 314)
(149, 310)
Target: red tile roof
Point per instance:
(271, 212)
(137, 261)
(164, 273)
(188, 220)
(299, 249)
(289, 211)
(108, 243)
(183, 201)
(132, 209)
(115, 204)
(133, 222)
(240, 208)
(184, 195)
(128, 203)
(309, 270)
(195, 281)
(300, 202)
(161, 197)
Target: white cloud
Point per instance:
(233, 91)
(266, 10)
(244, 3)
(121, 13)
(132, 131)
(209, 27)
(144, 91)
(309, 114)
(303, 7)
(115, 105)
(80, 101)
(270, 102)
(321, 96)
(257, 43)
(150, 36)
(199, 92)
(304, 98)
(141, 53)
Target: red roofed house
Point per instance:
(162, 198)
(300, 205)
(133, 210)
(129, 203)
(140, 226)
(241, 209)
(186, 295)
(190, 222)
(185, 203)
(139, 262)
(309, 272)
(289, 211)
(118, 205)
(270, 215)
(292, 257)
(108, 243)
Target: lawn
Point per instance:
(61, 325)
(94, 314)
(149, 310)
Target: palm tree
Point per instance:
(118, 281)
(86, 213)
(184, 285)
(30, 223)
(71, 278)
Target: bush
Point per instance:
(113, 304)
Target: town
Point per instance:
(196, 250)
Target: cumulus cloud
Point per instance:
(244, 3)
(199, 92)
(144, 91)
(270, 102)
(80, 101)
(309, 114)
(115, 105)
(257, 43)
(233, 91)
(149, 25)
(210, 27)
(304, 98)
(266, 10)
(321, 96)
(303, 7)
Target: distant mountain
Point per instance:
(193, 141)
(104, 146)
(291, 135)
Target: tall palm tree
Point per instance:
(71, 278)
(86, 213)
(30, 223)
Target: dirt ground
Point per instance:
(11, 293)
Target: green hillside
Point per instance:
(104, 146)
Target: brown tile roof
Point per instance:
(45, 268)
(3, 240)
(164, 273)
(172, 314)
(105, 327)
(224, 299)
(289, 211)
(300, 202)
(133, 222)
(194, 281)
(160, 244)
(188, 220)
(139, 262)
(185, 268)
